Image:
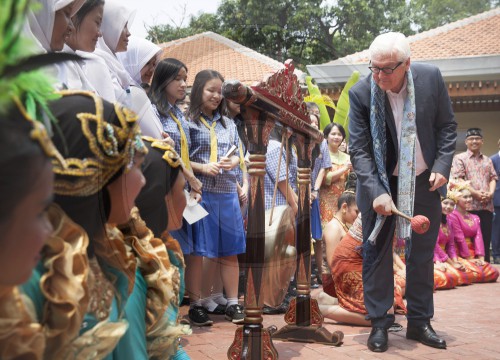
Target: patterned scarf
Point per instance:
(406, 161)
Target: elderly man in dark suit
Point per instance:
(402, 141)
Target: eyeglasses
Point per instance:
(474, 138)
(385, 70)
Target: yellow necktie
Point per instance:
(242, 159)
(213, 139)
(184, 143)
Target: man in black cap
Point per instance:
(477, 168)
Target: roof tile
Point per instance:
(474, 36)
(209, 50)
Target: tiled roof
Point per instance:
(474, 36)
(209, 50)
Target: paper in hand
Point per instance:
(193, 211)
(231, 151)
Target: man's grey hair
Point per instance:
(390, 44)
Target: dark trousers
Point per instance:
(378, 278)
(495, 234)
(486, 218)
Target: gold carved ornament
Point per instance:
(105, 143)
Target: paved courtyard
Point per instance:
(467, 317)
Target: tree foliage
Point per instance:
(317, 31)
(429, 14)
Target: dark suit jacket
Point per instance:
(436, 131)
(496, 164)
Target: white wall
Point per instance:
(488, 121)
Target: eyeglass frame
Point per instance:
(385, 70)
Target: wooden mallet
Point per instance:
(420, 224)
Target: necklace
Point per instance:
(346, 228)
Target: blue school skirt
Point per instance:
(221, 232)
(316, 231)
(184, 237)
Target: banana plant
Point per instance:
(321, 100)
(342, 111)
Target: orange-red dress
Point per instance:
(329, 194)
(346, 269)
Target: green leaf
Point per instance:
(315, 93)
(342, 112)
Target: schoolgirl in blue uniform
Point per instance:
(321, 163)
(168, 86)
(220, 236)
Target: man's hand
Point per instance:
(486, 196)
(436, 180)
(383, 204)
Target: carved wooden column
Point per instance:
(304, 319)
(251, 340)
(277, 99)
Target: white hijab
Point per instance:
(114, 19)
(41, 23)
(138, 54)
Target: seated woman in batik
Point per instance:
(342, 299)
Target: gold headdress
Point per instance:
(113, 146)
(455, 186)
(170, 155)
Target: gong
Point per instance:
(280, 255)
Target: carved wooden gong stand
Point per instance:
(278, 99)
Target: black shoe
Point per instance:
(268, 310)
(235, 314)
(378, 340)
(219, 310)
(426, 335)
(185, 301)
(198, 316)
(314, 284)
(395, 327)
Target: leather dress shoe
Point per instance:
(426, 335)
(378, 340)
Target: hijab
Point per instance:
(114, 19)
(138, 54)
(41, 22)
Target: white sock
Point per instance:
(195, 303)
(232, 301)
(209, 304)
(219, 299)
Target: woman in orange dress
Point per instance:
(334, 181)
(342, 299)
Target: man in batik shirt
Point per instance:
(477, 168)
